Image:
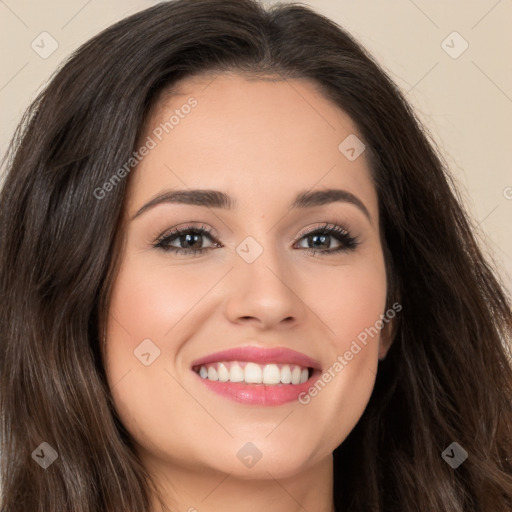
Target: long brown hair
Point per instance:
(447, 377)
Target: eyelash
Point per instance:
(347, 241)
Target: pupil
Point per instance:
(189, 236)
(323, 238)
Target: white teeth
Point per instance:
(271, 374)
(295, 375)
(286, 375)
(223, 372)
(236, 373)
(252, 373)
(212, 373)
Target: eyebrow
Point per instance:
(217, 199)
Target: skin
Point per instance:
(261, 142)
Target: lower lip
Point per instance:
(259, 394)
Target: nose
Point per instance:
(264, 293)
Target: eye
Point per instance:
(319, 239)
(190, 240)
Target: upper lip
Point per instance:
(260, 355)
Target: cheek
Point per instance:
(351, 304)
(149, 300)
(349, 300)
(148, 305)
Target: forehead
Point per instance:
(261, 139)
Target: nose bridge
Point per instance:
(262, 287)
(262, 267)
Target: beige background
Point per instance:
(466, 102)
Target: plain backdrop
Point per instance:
(453, 59)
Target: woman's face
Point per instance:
(207, 352)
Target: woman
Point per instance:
(172, 199)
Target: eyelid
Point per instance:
(184, 227)
(201, 226)
(325, 225)
(346, 240)
(338, 230)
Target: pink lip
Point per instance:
(259, 394)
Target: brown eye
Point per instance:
(187, 240)
(320, 239)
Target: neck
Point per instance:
(200, 490)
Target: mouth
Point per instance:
(257, 376)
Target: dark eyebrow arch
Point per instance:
(217, 199)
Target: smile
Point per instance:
(257, 376)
